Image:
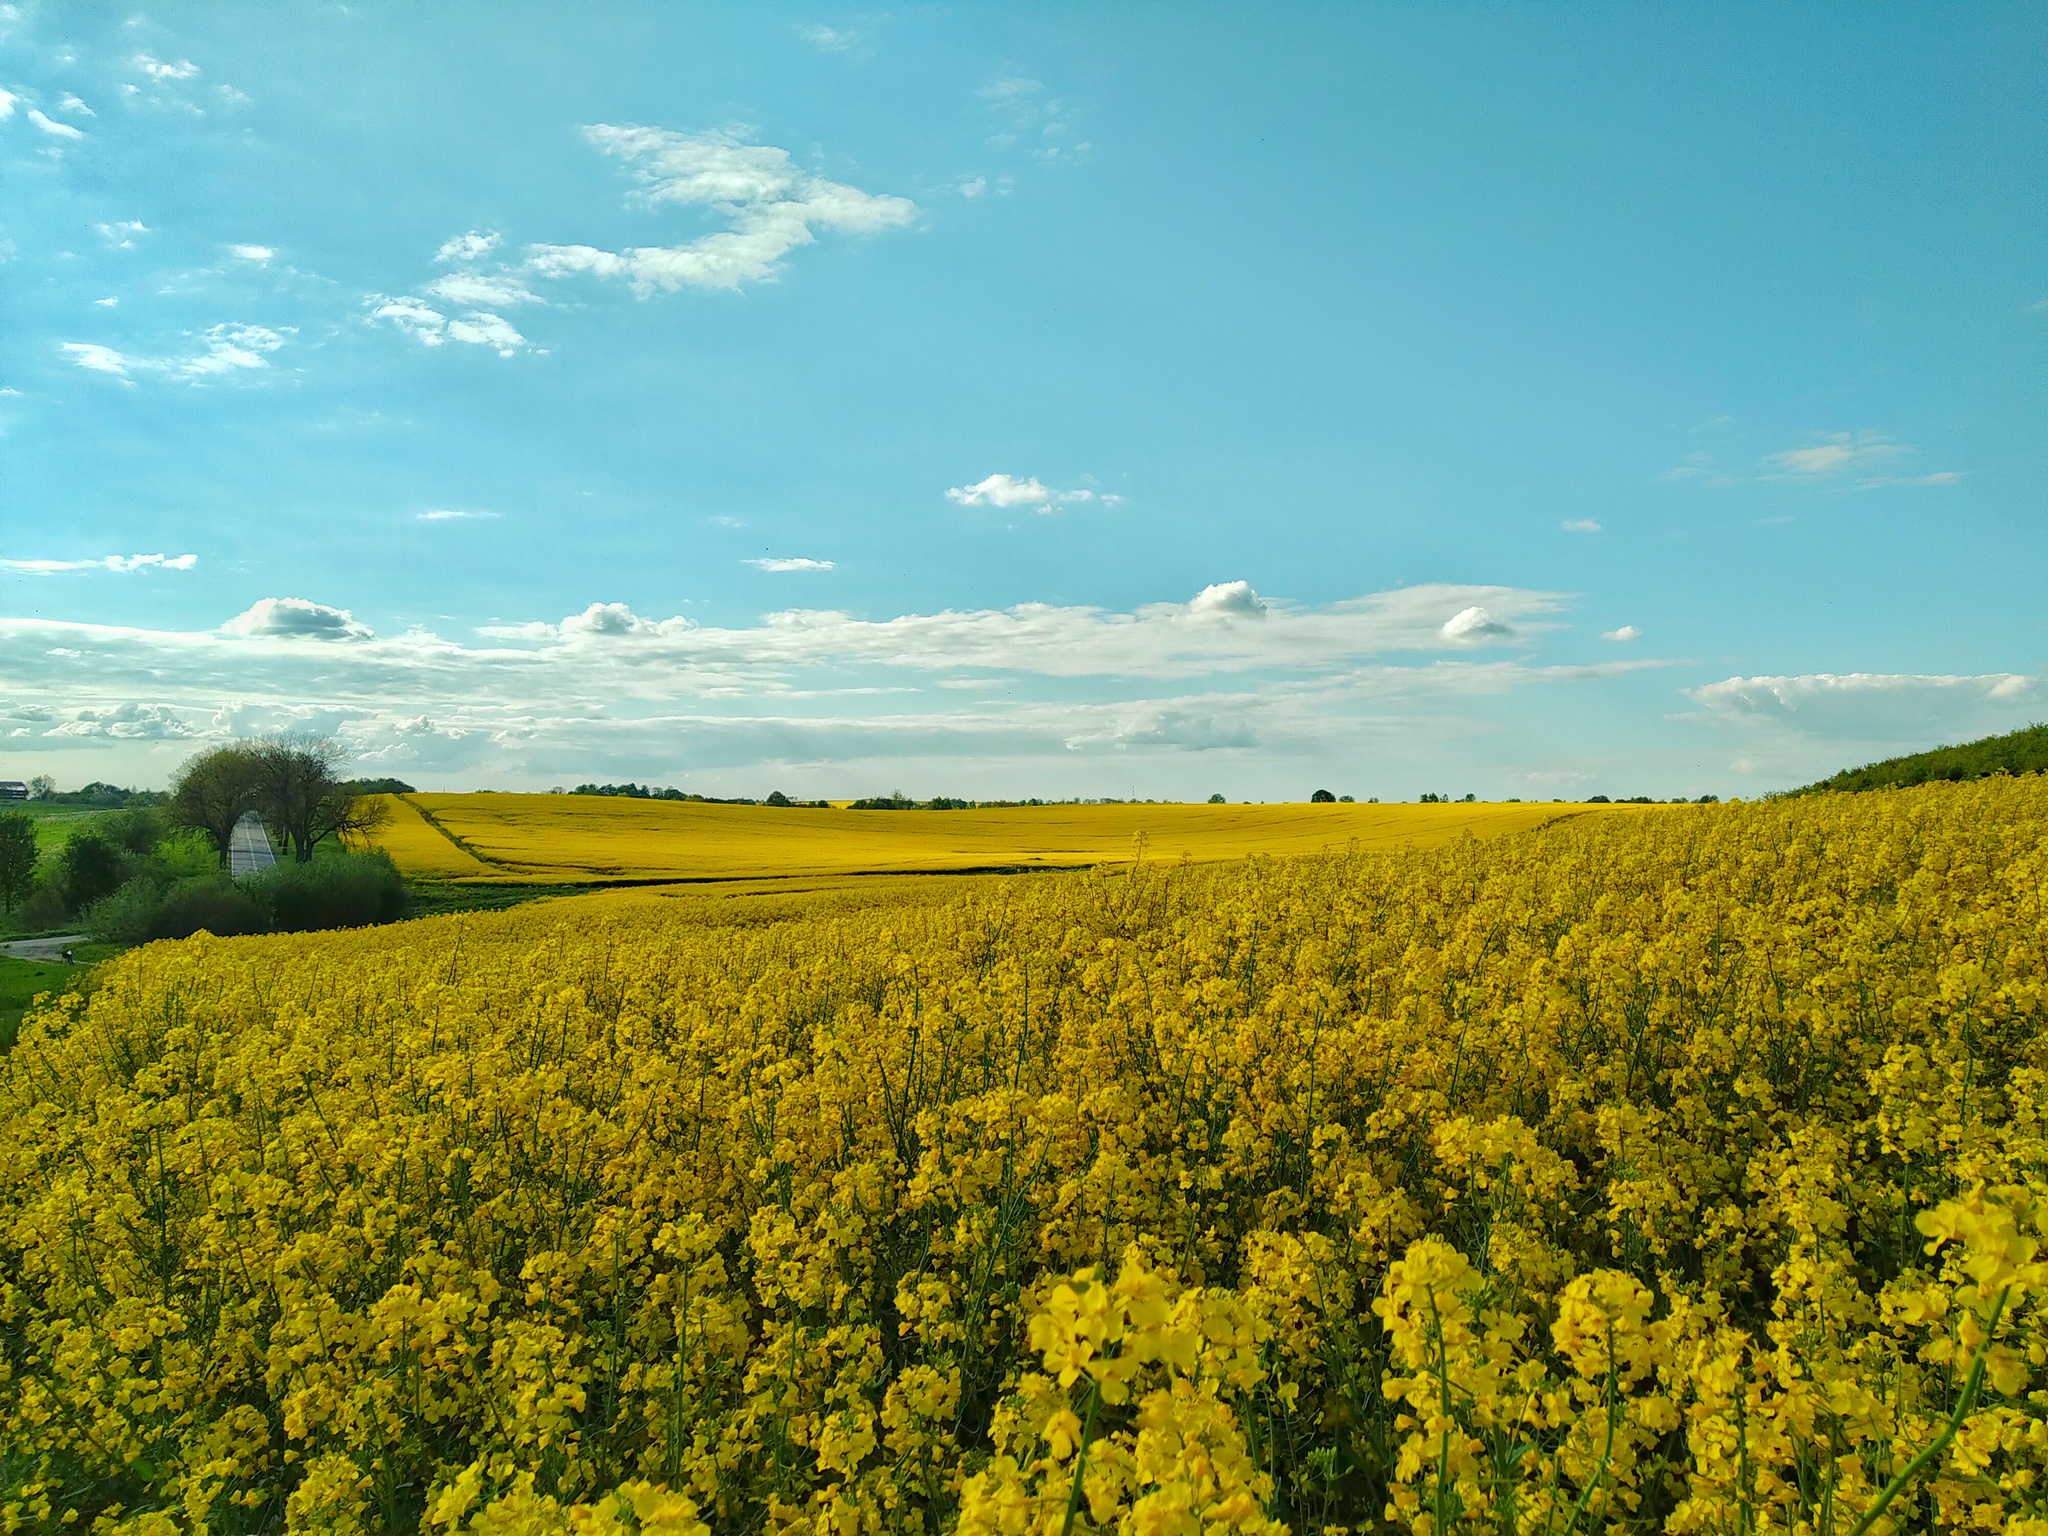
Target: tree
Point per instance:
(41, 787)
(298, 791)
(1322, 797)
(90, 869)
(211, 792)
(17, 858)
(1216, 800)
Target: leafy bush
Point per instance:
(354, 891)
(91, 868)
(215, 904)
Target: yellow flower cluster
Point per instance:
(1681, 1172)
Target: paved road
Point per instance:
(51, 948)
(249, 849)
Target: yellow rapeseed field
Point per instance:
(572, 839)
(1679, 1172)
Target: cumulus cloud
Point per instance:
(294, 618)
(1001, 491)
(473, 246)
(772, 207)
(103, 563)
(1626, 633)
(122, 233)
(259, 254)
(1228, 599)
(73, 105)
(431, 328)
(158, 70)
(1475, 626)
(1580, 525)
(798, 564)
(606, 619)
(126, 722)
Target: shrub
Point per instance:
(91, 869)
(45, 907)
(214, 904)
(349, 892)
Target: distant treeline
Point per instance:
(2015, 752)
(649, 792)
(97, 796)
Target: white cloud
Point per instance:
(1579, 525)
(1803, 727)
(828, 39)
(90, 354)
(1228, 599)
(473, 246)
(1838, 460)
(607, 619)
(1626, 633)
(1030, 119)
(103, 563)
(123, 233)
(1001, 491)
(231, 347)
(107, 303)
(126, 722)
(798, 564)
(158, 70)
(772, 206)
(294, 618)
(259, 254)
(1227, 627)
(812, 686)
(72, 104)
(431, 328)
(1833, 454)
(52, 127)
(484, 330)
(478, 290)
(1474, 626)
(228, 348)
(451, 515)
(7, 101)
(973, 186)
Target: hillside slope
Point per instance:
(2015, 752)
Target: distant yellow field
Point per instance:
(422, 852)
(576, 839)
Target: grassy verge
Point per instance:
(437, 898)
(21, 980)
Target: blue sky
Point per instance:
(1062, 400)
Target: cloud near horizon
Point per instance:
(1226, 669)
(102, 563)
